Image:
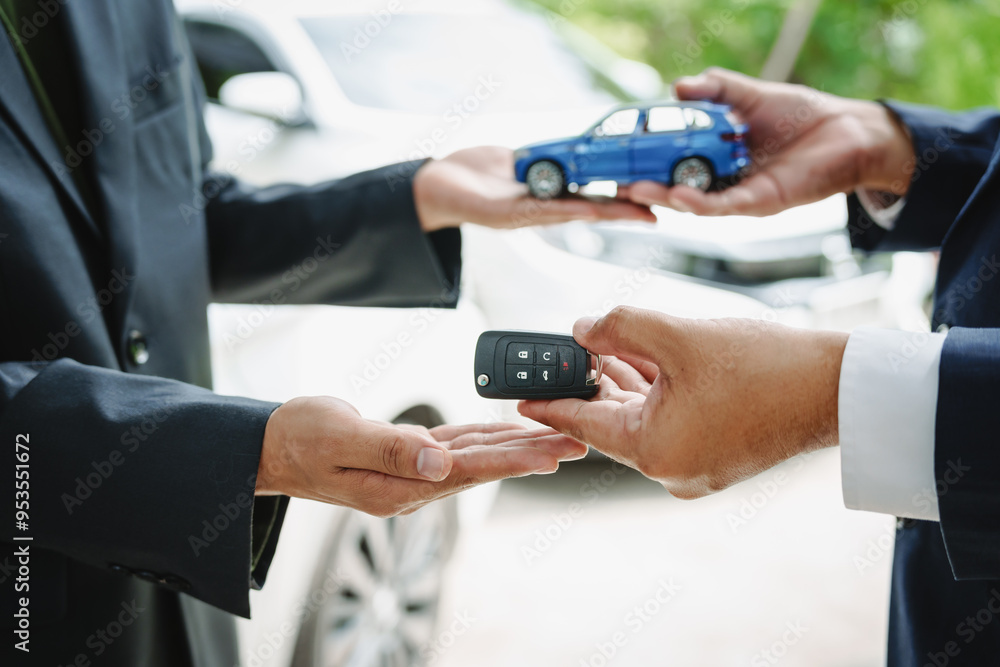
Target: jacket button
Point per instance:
(176, 583)
(138, 351)
(151, 577)
(118, 569)
(942, 328)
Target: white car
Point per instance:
(305, 91)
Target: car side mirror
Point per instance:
(273, 95)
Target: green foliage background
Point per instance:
(933, 52)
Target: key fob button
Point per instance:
(521, 353)
(545, 376)
(519, 376)
(567, 366)
(546, 355)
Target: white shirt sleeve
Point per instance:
(882, 207)
(887, 407)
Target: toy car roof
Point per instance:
(694, 104)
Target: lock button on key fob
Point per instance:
(533, 364)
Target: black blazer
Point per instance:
(945, 606)
(140, 480)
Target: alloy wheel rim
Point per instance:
(385, 612)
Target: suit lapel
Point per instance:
(20, 106)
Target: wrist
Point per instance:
(819, 426)
(887, 155)
(426, 198)
(269, 468)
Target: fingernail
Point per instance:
(545, 471)
(430, 464)
(584, 324)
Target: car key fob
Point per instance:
(532, 364)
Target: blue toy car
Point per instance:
(699, 144)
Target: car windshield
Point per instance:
(425, 63)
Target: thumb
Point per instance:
(720, 85)
(628, 331)
(400, 453)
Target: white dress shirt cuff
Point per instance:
(882, 207)
(887, 410)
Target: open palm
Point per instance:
(477, 185)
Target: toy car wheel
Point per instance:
(694, 172)
(545, 179)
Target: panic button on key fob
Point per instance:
(531, 364)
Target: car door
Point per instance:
(661, 141)
(605, 152)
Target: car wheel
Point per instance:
(694, 172)
(545, 179)
(383, 581)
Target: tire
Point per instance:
(545, 180)
(694, 172)
(383, 581)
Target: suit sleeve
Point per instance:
(356, 241)
(967, 465)
(143, 475)
(953, 151)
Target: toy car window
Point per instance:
(697, 119)
(666, 119)
(619, 123)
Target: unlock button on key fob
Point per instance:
(519, 376)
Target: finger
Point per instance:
(723, 86)
(499, 438)
(386, 495)
(598, 423)
(561, 447)
(634, 332)
(546, 439)
(565, 209)
(625, 375)
(397, 452)
(758, 195)
(648, 369)
(450, 432)
(472, 467)
(488, 464)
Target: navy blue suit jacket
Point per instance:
(129, 456)
(945, 607)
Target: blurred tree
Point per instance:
(941, 53)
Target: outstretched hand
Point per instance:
(699, 405)
(806, 145)
(320, 448)
(477, 185)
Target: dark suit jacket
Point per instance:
(946, 577)
(140, 481)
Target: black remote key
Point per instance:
(532, 364)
